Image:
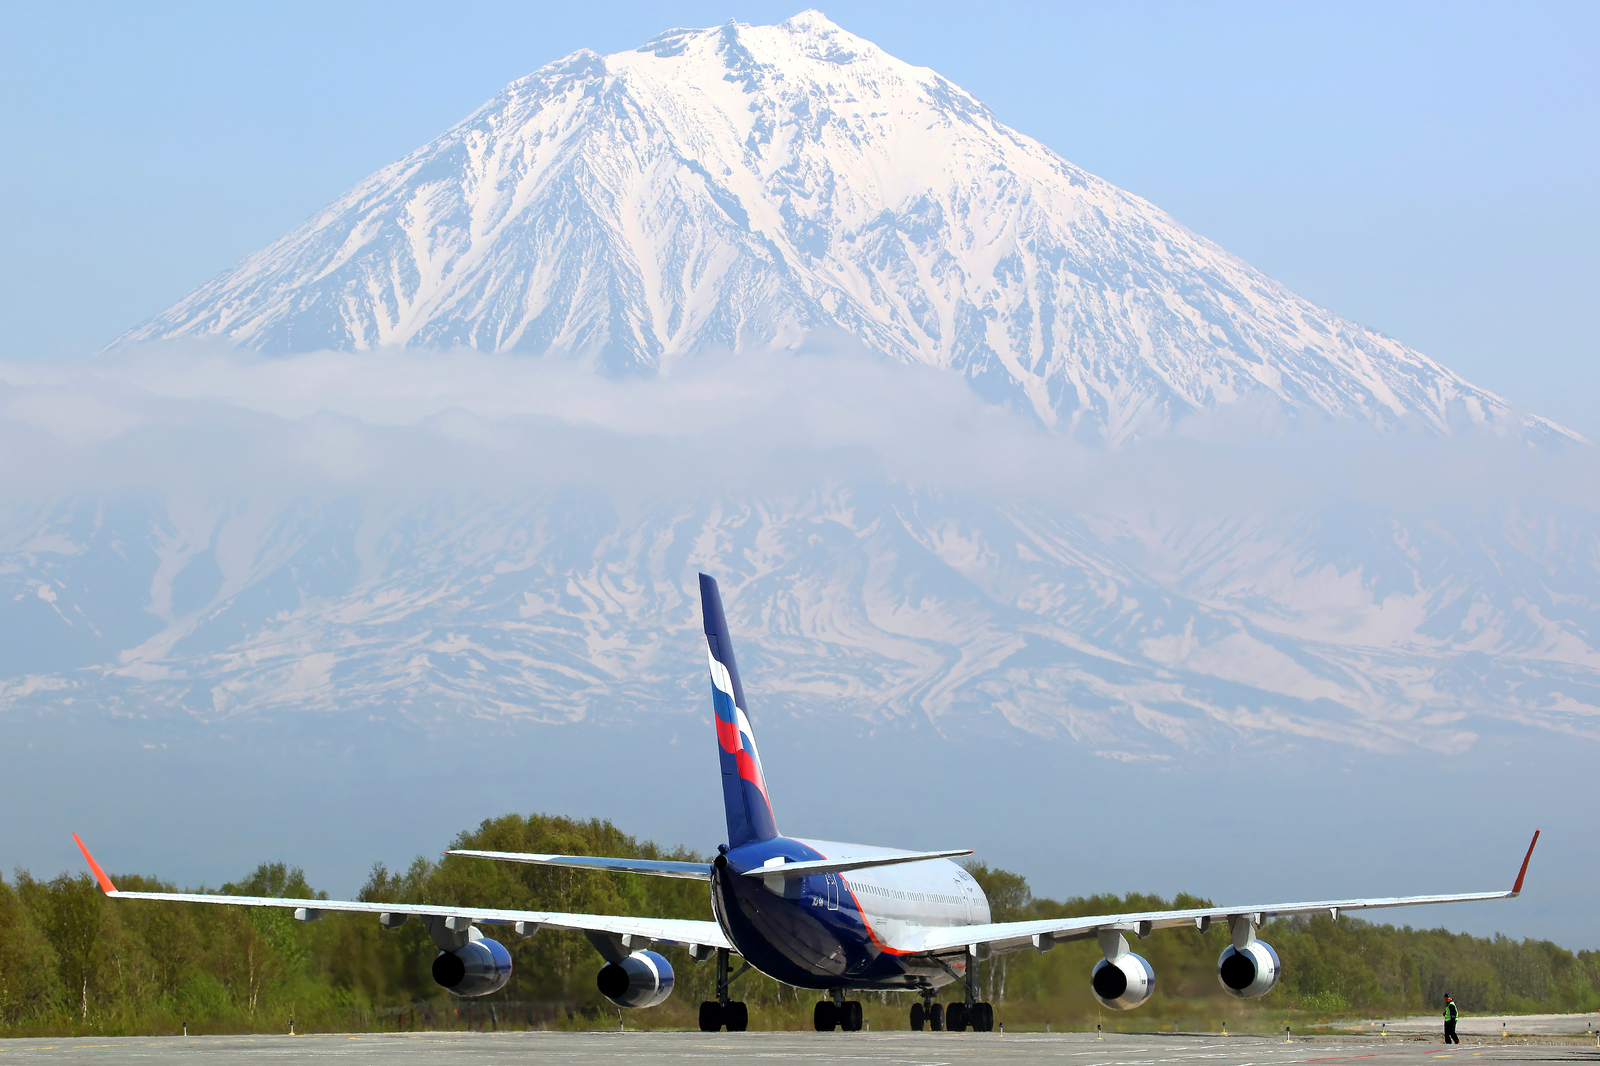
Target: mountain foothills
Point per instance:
(78, 963)
(749, 185)
(881, 606)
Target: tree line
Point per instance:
(74, 962)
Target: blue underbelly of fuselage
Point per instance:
(811, 934)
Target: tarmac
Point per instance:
(777, 1049)
(1493, 1024)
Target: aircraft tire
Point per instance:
(983, 1017)
(736, 1017)
(936, 1017)
(851, 1022)
(825, 1018)
(710, 1016)
(955, 1017)
(917, 1017)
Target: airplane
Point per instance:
(814, 914)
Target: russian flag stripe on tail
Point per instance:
(744, 787)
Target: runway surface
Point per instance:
(900, 1048)
(1494, 1024)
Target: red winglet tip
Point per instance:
(1517, 888)
(105, 882)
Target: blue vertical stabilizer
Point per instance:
(744, 786)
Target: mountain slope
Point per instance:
(746, 185)
(882, 607)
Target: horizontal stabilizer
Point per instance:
(697, 871)
(839, 866)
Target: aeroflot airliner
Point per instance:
(836, 918)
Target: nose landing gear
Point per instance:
(928, 1013)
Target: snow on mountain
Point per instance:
(745, 185)
(883, 607)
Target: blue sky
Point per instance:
(1427, 169)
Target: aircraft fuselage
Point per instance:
(841, 930)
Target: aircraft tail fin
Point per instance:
(744, 786)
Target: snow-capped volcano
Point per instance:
(743, 185)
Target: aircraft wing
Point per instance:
(1042, 935)
(685, 931)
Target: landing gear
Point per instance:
(845, 1014)
(979, 1017)
(957, 1017)
(733, 1016)
(927, 1013)
(723, 1012)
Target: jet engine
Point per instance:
(643, 979)
(476, 968)
(1123, 983)
(1249, 973)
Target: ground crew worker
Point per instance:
(1450, 1016)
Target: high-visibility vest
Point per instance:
(1450, 1010)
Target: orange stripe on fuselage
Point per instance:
(871, 935)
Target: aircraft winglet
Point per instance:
(1516, 888)
(107, 887)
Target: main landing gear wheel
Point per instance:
(936, 1017)
(979, 1017)
(830, 1016)
(713, 1016)
(917, 1017)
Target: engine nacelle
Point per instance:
(643, 979)
(476, 968)
(1123, 984)
(1249, 973)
